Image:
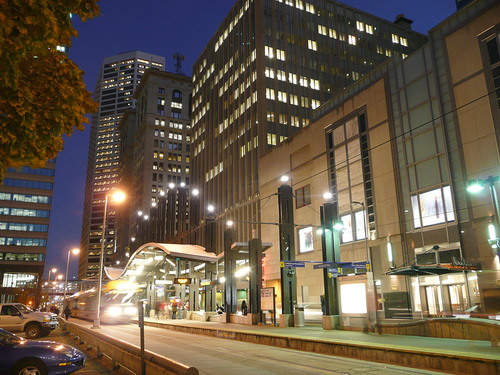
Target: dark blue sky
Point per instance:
(163, 28)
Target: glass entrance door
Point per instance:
(434, 300)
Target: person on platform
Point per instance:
(174, 309)
(67, 312)
(244, 307)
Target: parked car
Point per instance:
(16, 317)
(19, 356)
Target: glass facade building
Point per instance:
(270, 63)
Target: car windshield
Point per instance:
(24, 309)
(7, 338)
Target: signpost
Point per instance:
(140, 311)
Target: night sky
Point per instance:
(162, 28)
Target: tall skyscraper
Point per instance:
(25, 205)
(118, 79)
(268, 65)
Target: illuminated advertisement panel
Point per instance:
(432, 207)
(306, 239)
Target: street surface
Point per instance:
(217, 356)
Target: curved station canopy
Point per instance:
(160, 261)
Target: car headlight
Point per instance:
(115, 310)
(131, 310)
(46, 318)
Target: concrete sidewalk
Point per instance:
(438, 354)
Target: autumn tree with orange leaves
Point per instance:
(42, 93)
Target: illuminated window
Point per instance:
(282, 96)
(332, 33)
(311, 44)
(403, 42)
(322, 30)
(352, 40)
(281, 75)
(269, 72)
(309, 8)
(395, 38)
(369, 29)
(271, 139)
(280, 54)
(360, 26)
(270, 94)
(269, 52)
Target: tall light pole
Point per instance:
(74, 251)
(476, 186)
(53, 270)
(118, 197)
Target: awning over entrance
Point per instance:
(430, 269)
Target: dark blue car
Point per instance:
(27, 357)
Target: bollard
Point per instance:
(99, 353)
(89, 347)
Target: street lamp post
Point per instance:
(74, 251)
(476, 186)
(118, 197)
(53, 270)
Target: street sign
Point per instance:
(292, 263)
(324, 265)
(334, 272)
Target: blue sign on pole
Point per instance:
(324, 265)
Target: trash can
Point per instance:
(299, 320)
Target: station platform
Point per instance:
(455, 356)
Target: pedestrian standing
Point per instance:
(67, 312)
(244, 307)
(174, 309)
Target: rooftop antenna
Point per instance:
(178, 65)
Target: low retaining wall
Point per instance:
(126, 354)
(467, 329)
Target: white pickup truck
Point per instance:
(16, 317)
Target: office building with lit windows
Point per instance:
(270, 63)
(25, 205)
(404, 153)
(117, 81)
(160, 131)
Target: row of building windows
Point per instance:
(37, 171)
(24, 212)
(28, 184)
(10, 241)
(22, 257)
(25, 198)
(20, 280)
(24, 227)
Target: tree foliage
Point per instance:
(42, 93)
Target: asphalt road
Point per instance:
(217, 356)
